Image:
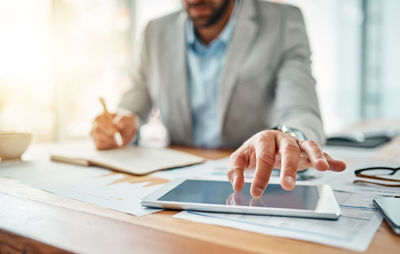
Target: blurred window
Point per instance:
(355, 53)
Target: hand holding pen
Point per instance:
(112, 130)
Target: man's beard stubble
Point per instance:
(214, 17)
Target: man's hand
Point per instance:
(104, 128)
(274, 149)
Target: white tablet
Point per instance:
(312, 201)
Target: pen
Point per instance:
(117, 135)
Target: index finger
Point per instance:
(265, 160)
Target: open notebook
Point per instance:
(130, 159)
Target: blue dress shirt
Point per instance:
(205, 64)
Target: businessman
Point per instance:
(229, 73)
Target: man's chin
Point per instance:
(201, 22)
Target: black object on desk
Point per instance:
(354, 141)
(390, 207)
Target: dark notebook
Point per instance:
(368, 142)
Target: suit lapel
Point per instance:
(242, 39)
(178, 78)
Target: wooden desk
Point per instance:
(33, 221)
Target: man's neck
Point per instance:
(208, 34)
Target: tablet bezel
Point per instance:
(327, 208)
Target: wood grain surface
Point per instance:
(35, 221)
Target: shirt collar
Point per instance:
(224, 36)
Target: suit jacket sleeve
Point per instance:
(136, 99)
(296, 102)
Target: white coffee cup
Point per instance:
(13, 144)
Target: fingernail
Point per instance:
(258, 191)
(289, 181)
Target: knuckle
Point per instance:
(100, 118)
(271, 132)
(97, 118)
(237, 162)
(238, 153)
(263, 139)
(289, 146)
(266, 135)
(98, 125)
(267, 159)
(259, 144)
(127, 117)
(124, 122)
(233, 156)
(315, 148)
(288, 137)
(279, 133)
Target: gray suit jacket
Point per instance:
(266, 81)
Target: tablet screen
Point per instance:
(221, 193)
